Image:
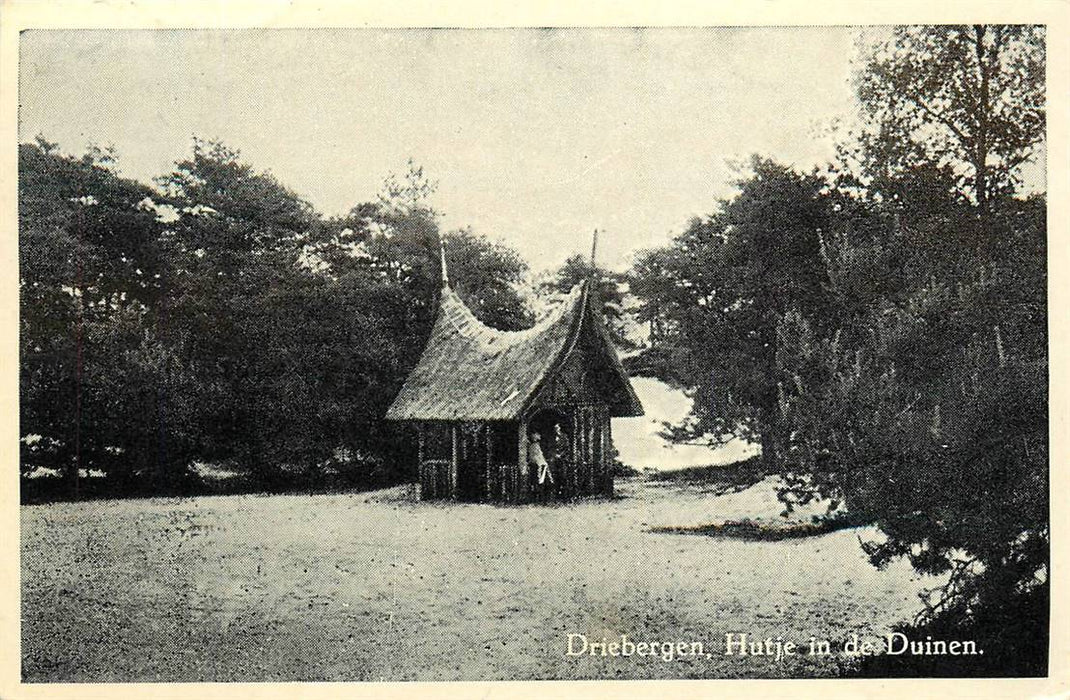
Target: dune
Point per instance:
(640, 445)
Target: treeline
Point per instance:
(214, 319)
(881, 329)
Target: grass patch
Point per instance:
(744, 473)
(754, 531)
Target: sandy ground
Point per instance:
(638, 441)
(375, 586)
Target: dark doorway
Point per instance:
(551, 425)
(472, 462)
(504, 452)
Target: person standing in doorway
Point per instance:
(544, 479)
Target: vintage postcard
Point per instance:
(395, 355)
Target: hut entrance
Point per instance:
(550, 427)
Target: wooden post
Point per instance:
(607, 477)
(520, 488)
(420, 462)
(600, 452)
(486, 477)
(591, 416)
(582, 486)
(577, 462)
(592, 468)
(596, 469)
(607, 448)
(453, 462)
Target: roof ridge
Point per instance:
(488, 335)
(469, 371)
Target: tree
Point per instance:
(883, 332)
(220, 318)
(926, 413)
(234, 306)
(90, 265)
(609, 290)
(488, 276)
(717, 292)
(925, 407)
(967, 97)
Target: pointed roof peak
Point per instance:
(442, 253)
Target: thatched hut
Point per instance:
(478, 395)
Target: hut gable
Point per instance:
(471, 372)
(591, 373)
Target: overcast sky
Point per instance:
(535, 136)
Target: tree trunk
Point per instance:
(769, 462)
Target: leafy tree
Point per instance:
(970, 98)
(488, 276)
(90, 263)
(957, 474)
(884, 332)
(226, 208)
(716, 295)
(142, 404)
(928, 415)
(98, 232)
(235, 241)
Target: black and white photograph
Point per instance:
(517, 353)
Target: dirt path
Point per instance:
(373, 586)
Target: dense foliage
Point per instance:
(217, 319)
(881, 328)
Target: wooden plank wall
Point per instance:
(606, 446)
(587, 469)
(437, 472)
(586, 473)
(518, 478)
(434, 479)
(592, 440)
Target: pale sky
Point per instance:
(536, 137)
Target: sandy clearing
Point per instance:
(640, 445)
(374, 586)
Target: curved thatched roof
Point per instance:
(469, 371)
